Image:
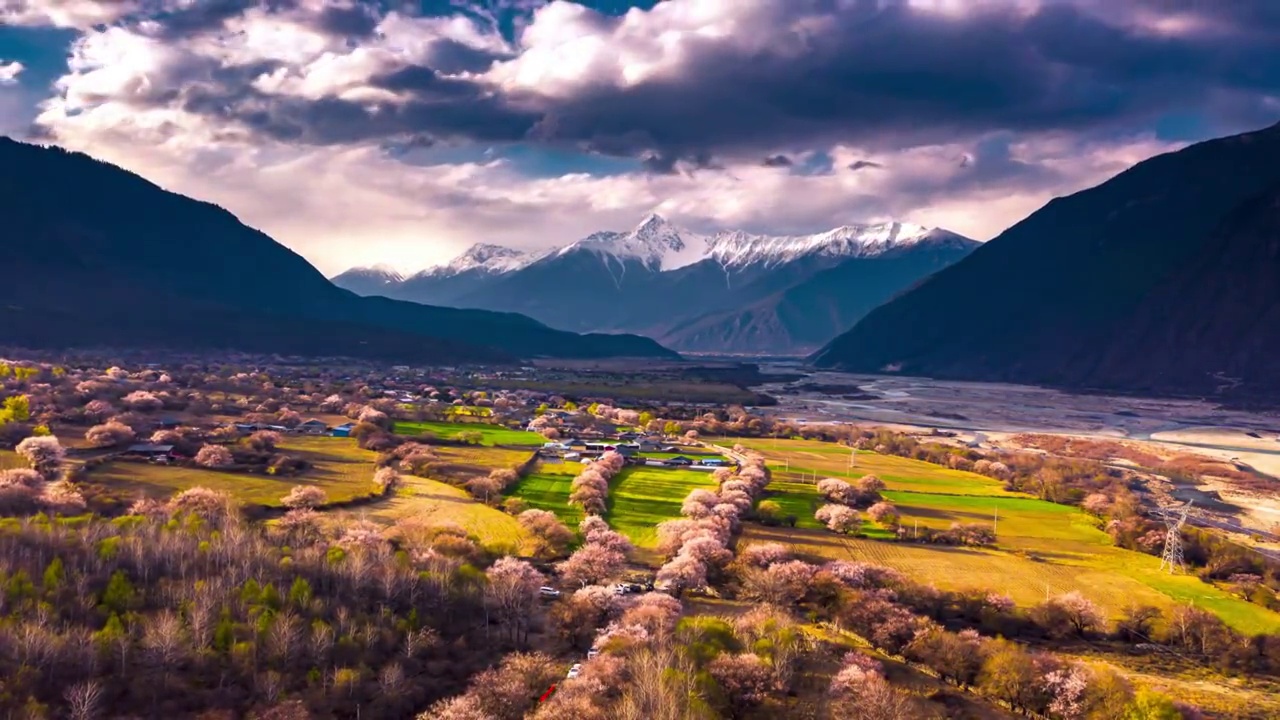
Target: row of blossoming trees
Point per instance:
(590, 489)
(698, 545)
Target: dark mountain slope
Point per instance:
(810, 313)
(1041, 301)
(1215, 324)
(91, 248)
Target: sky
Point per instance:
(360, 132)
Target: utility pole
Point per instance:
(996, 527)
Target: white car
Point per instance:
(574, 671)
(592, 653)
(548, 592)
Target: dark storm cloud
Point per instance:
(864, 165)
(876, 73)
(777, 161)
(914, 77)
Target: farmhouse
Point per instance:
(343, 430)
(312, 427)
(679, 461)
(149, 450)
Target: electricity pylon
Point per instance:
(1172, 559)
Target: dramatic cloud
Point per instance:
(360, 131)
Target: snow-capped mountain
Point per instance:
(372, 280)
(658, 244)
(660, 279)
(484, 258)
(655, 243)
(739, 249)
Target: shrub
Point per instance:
(214, 456)
(838, 518)
(304, 496)
(109, 434)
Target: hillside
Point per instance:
(1214, 323)
(722, 292)
(1056, 298)
(99, 256)
(808, 314)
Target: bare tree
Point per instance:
(83, 700)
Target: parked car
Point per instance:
(574, 671)
(549, 592)
(592, 653)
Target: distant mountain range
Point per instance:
(1164, 279)
(730, 292)
(95, 255)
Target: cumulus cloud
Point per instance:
(9, 72)
(961, 113)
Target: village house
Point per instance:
(150, 451)
(312, 427)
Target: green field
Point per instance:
(491, 434)
(639, 497)
(807, 460)
(802, 500)
(547, 488)
(1042, 548)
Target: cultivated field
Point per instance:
(435, 501)
(491, 434)
(1042, 548)
(341, 469)
(547, 488)
(639, 497)
(432, 503)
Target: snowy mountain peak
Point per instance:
(655, 243)
(378, 274)
(482, 257)
(660, 245)
(740, 249)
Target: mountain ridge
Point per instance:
(109, 260)
(1060, 289)
(658, 278)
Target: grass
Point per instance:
(490, 434)
(641, 497)
(10, 460)
(547, 488)
(341, 469)
(810, 459)
(1042, 548)
(802, 501)
(430, 503)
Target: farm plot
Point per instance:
(547, 488)
(341, 469)
(430, 503)
(1042, 548)
(490, 434)
(801, 500)
(810, 460)
(641, 497)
